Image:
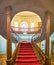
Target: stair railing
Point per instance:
(11, 61)
(41, 54)
(15, 54)
(36, 36)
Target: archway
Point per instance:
(27, 19)
(27, 22)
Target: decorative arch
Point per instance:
(27, 19)
(24, 26)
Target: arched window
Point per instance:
(16, 26)
(32, 26)
(24, 26)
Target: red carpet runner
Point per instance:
(27, 56)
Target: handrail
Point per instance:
(43, 57)
(15, 54)
(25, 28)
(20, 29)
(37, 35)
(11, 61)
(16, 36)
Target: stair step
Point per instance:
(33, 63)
(26, 53)
(27, 60)
(27, 57)
(24, 44)
(26, 47)
(26, 50)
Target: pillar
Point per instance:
(47, 61)
(9, 44)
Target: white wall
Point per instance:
(3, 45)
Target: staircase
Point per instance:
(26, 55)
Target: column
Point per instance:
(9, 44)
(47, 61)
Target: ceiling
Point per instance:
(38, 6)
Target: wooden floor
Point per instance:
(3, 58)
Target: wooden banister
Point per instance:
(11, 61)
(41, 54)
